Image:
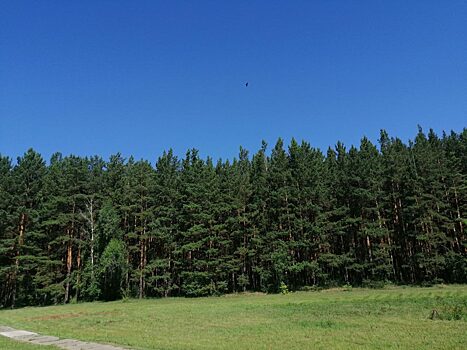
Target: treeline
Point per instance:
(86, 229)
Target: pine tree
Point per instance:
(166, 193)
(7, 232)
(238, 189)
(27, 195)
(373, 233)
(259, 202)
(137, 199)
(277, 254)
(307, 201)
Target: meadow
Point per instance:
(344, 318)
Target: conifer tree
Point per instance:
(162, 264)
(28, 177)
(7, 232)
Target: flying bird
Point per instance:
(246, 84)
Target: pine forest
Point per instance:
(84, 228)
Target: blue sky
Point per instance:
(98, 77)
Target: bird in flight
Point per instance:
(246, 84)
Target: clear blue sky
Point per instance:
(98, 77)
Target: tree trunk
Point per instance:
(22, 229)
(69, 255)
(69, 260)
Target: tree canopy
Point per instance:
(82, 228)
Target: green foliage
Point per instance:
(81, 228)
(283, 288)
(113, 269)
(374, 284)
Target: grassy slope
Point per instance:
(395, 318)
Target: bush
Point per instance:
(284, 289)
(373, 284)
(311, 289)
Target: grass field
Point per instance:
(393, 318)
(8, 344)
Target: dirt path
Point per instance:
(67, 344)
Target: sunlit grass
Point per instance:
(394, 318)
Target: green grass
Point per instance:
(9, 344)
(393, 318)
